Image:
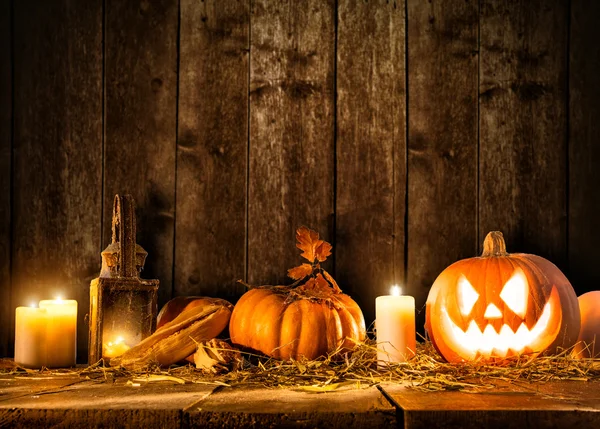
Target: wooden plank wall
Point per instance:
(402, 130)
(584, 145)
(5, 170)
(442, 140)
(57, 152)
(291, 136)
(523, 126)
(370, 149)
(212, 148)
(140, 87)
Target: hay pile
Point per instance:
(426, 371)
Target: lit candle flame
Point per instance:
(118, 340)
(395, 290)
(33, 305)
(115, 348)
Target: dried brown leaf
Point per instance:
(300, 272)
(309, 242)
(316, 287)
(322, 283)
(311, 284)
(323, 251)
(216, 356)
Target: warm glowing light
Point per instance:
(492, 312)
(115, 348)
(395, 290)
(467, 295)
(33, 305)
(58, 300)
(118, 340)
(516, 292)
(489, 342)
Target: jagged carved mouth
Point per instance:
(475, 342)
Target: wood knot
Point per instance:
(529, 91)
(156, 84)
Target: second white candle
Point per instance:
(395, 324)
(61, 332)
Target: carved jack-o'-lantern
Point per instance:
(501, 305)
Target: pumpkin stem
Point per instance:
(494, 245)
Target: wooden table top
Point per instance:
(557, 404)
(74, 402)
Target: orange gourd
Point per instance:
(310, 318)
(501, 305)
(179, 304)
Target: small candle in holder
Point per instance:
(61, 332)
(395, 324)
(114, 348)
(30, 336)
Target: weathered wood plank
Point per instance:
(63, 402)
(371, 150)
(78, 401)
(57, 152)
(291, 131)
(544, 405)
(140, 130)
(212, 148)
(584, 146)
(86, 418)
(258, 408)
(5, 175)
(442, 140)
(84, 403)
(523, 125)
(18, 387)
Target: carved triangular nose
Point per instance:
(492, 312)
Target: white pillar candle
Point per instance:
(395, 324)
(61, 332)
(30, 336)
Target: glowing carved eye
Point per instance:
(516, 292)
(467, 296)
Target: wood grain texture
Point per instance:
(140, 125)
(212, 148)
(291, 131)
(5, 175)
(584, 146)
(260, 408)
(523, 125)
(556, 404)
(57, 153)
(79, 403)
(371, 150)
(442, 140)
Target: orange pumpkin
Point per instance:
(588, 344)
(178, 305)
(310, 318)
(501, 305)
